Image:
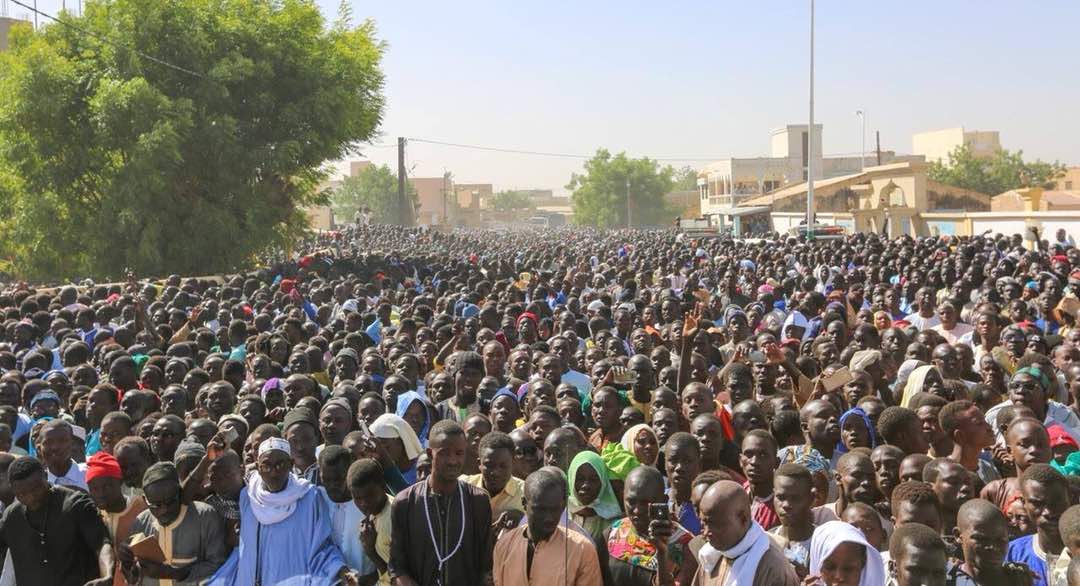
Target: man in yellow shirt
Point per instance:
(496, 476)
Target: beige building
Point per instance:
(1051, 201)
(937, 144)
(473, 195)
(1069, 181)
(897, 198)
(433, 203)
(723, 185)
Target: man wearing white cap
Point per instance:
(284, 528)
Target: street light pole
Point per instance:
(862, 152)
(627, 202)
(810, 139)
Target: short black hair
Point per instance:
(682, 439)
(762, 434)
(365, 471)
(915, 534)
(446, 428)
(334, 456)
(920, 400)
(786, 424)
(894, 421)
(915, 492)
(547, 411)
(1069, 524)
(709, 477)
(1044, 474)
(24, 467)
(950, 413)
(795, 472)
(497, 440)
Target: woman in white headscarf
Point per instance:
(923, 379)
(399, 440)
(841, 556)
(640, 440)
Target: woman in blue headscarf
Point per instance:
(414, 410)
(856, 431)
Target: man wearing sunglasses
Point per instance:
(190, 537)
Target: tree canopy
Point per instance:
(182, 136)
(376, 187)
(505, 201)
(685, 179)
(599, 195)
(997, 174)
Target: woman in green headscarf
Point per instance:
(592, 501)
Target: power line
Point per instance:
(580, 156)
(101, 39)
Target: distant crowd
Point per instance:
(412, 407)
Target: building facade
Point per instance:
(937, 144)
(724, 185)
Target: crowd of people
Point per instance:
(563, 407)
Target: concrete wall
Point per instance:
(429, 191)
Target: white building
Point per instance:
(724, 184)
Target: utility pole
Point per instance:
(403, 211)
(627, 201)
(810, 139)
(445, 194)
(877, 134)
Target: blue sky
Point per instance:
(711, 78)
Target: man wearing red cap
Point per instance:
(105, 480)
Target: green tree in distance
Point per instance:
(599, 194)
(375, 187)
(685, 179)
(1001, 172)
(505, 201)
(109, 159)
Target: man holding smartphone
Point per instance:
(648, 548)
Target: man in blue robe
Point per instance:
(284, 529)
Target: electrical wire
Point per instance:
(586, 157)
(101, 39)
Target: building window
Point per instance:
(1068, 185)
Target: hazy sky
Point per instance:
(705, 79)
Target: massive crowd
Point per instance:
(571, 407)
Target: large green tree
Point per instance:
(180, 136)
(376, 187)
(599, 194)
(997, 174)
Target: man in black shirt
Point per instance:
(55, 534)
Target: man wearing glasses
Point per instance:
(191, 537)
(284, 528)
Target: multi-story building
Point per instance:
(724, 184)
(937, 144)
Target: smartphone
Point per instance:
(625, 376)
(364, 428)
(837, 380)
(230, 436)
(658, 511)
